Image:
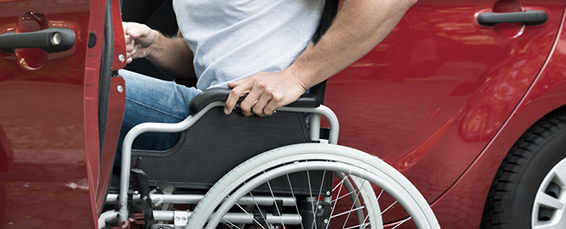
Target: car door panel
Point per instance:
(439, 81)
(48, 112)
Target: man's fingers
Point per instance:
(239, 88)
(251, 101)
(269, 109)
(230, 103)
(259, 107)
(233, 99)
(132, 30)
(130, 48)
(128, 38)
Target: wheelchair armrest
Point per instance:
(221, 94)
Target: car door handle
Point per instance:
(528, 17)
(51, 40)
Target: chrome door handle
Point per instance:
(528, 17)
(51, 40)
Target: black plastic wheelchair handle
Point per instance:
(221, 94)
(528, 17)
(51, 40)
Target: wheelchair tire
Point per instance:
(529, 189)
(355, 169)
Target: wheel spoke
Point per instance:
(347, 212)
(549, 201)
(401, 223)
(320, 191)
(358, 226)
(250, 215)
(558, 221)
(247, 212)
(368, 215)
(339, 186)
(322, 183)
(312, 198)
(279, 212)
(560, 176)
(390, 206)
(380, 193)
(560, 224)
(343, 196)
(293, 194)
(354, 203)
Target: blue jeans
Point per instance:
(153, 100)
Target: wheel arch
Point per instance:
(546, 98)
(524, 163)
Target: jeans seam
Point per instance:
(156, 110)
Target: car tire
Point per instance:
(528, 173)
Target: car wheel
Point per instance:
(529, 189)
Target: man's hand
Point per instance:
(266, 92)
(170, 54)
(139, 39)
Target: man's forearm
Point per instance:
(357, 29)
(173, 56)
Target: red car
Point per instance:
(465, 98)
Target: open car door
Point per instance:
(59, 112)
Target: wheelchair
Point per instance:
(231, 171)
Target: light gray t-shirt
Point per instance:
(233, 39)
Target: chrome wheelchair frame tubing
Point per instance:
(186, 124)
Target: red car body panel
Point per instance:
(463, 203)
(442, 99)
(434, 93)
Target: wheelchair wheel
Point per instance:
(356, 200)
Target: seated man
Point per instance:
(259, 47)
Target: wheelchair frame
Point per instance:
(122, 198)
